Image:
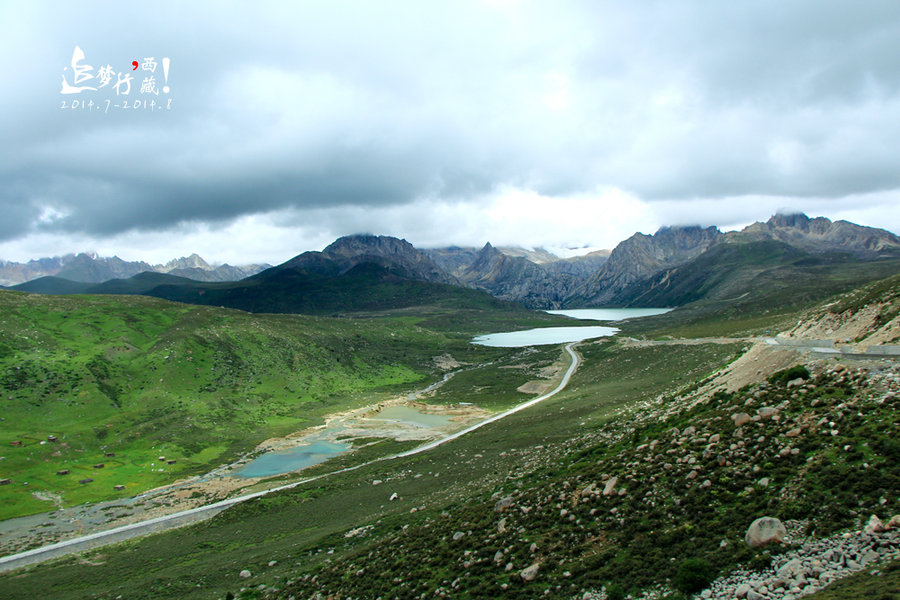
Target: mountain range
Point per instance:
(91, 268)
(672, 267)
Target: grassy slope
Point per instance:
(252, 535)
(542, 457)
(141, 378)
(748, 288)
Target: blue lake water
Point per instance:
(542, 336)
(562, 335)
(285, 461)
(610, 314)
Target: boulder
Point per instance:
(458, 536)
(503, 504)
(764, 531)
(530, 573)
(767, 411)
(740, 419)
(791, 569)
(874, 525)
(244, 574)
(609, 489)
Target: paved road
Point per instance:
(179, 519)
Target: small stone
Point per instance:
(609, 488)
(458, 536)
(530, 573)
(503, 504)
(740, 419)
(244, 574)
(874, 525)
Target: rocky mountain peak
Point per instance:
(194, 261)
(391, 253)
(820, 235)
(795, 220)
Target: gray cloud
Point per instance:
(366, 105)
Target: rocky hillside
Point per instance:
(680, 265)
(91, 268)
(662, 498)
(865, 317)
(821, 235)
(773, 490)
(535, 278)
(639, 258)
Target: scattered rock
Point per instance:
(458, 536)
(764, 531)
(740, 419)
(503, 504)
(244, 574)
(609, 489)
(874, 525)
(530, 573)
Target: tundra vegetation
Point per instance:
(643, 474)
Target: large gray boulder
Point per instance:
(764, 531)
(530, 573)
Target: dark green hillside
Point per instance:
(53, 285)
(142, 377)
(757, 273)
(747, 288)
(365, 287)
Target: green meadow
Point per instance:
(121, 381)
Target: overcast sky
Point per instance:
(561, 124)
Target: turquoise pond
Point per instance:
(285, 461)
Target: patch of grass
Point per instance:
(143, 378)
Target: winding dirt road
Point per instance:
(179, 519)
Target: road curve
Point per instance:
(185, 517)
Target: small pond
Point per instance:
(285, 461)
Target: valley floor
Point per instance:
(641, 476)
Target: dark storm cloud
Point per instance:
(359, 104)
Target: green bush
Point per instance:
(693, 575)
(614, 592)
(785, 375)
